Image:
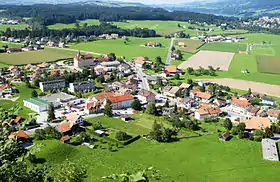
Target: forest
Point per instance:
(70, 13)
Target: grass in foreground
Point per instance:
(46, 55)
(195, 159)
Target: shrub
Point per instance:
(122, 136)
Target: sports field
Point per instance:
(224, 47)
(46, 55)
(191, 159)
(268, 64)
(187, 45)
(19, 26)
(204, 59)
(60, 26)
(133, 48)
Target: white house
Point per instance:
(52, 85)
(239, 105)
(81, 86)
(206, 111)
(268, 101)
(121, 101)
(36, 105)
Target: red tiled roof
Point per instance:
(19, 135)
(240, 103)
(17, 120)
(257, 123)
(64, 138)
(120, 98)
(172, 69)
(206, 109)
(273, 113)
(63, 127)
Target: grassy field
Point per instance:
(133, 48)
(268, 64)
(24, 93)
(11, 45)
(260, 38)
(60, 26)
(224, 47)
(194, 159)
(191, 46)
(15, 27)
(46, 55)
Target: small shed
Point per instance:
(65, 139)
(125, 117)
(225, 136)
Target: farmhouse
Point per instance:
(81, 86)
(257, 123)
(52, 85)
(36, 105)
(206, 111)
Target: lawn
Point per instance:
(191, 46)
(10, 45)
(24, 92)
(46, 55)
(268, 64)
(133, 48)
(13, 27)
(60, 26)
(195, 159)
(224, 47)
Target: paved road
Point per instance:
(168, 59)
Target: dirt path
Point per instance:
(271, 90)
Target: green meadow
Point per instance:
(46, 55)
(193, 158)
(132, 48)
(60, 26)
(15, 27)
(224, 47)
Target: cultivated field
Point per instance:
(46, 55)
(60, 26)
(224, 47)
(268, 64)
(190, 46)
(205, 59)
(133, 48)
(271, 90)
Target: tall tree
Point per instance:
(227, 124)
(151, 108)
(34, 93)
(136, 105)
(51, 114)
(108, 109)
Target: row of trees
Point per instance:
(103, 28)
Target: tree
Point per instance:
(212, 88)
(202, 89)
(249, 91)
(268, 133)
(227, 124)
(122, 136)
(175, 108)
(51, 114)
(189, 81)
(161, 134)
(34, 93)
(108, 109)
(241, 127)
(136, 105)
(159, 60)
(27, 83)
(151, 108)
(70, 172)
(166, 104)
(177, 76)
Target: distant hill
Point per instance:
(92, 2)
(231, 7)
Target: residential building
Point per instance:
(172, 70)
(207, 111)
(257, 123)
(273, 114)
(268, 101)
(139, 62)
(172, 91)
(36, 105)
(220, 102)
(52, 85)
(75, 118)
(6, 89)
(149, 96)
(202, 96)
(121, 101)
(225, 136)
(239, 105)
(81, 86)
(20, 135)
(252, 111)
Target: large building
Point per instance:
(61, 99)
(37, 105)
(84, 60)
(52, 85)
(81, 86)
